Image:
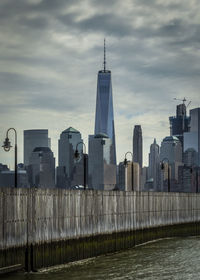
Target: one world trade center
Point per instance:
(104, 120)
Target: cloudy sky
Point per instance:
(51, 51)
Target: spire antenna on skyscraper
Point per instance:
(104, 62)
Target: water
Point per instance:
(177, 258)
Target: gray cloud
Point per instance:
(104, 23)
(51, 51)
(38, 22)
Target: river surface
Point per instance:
(177, 258)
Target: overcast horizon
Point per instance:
(52, 50)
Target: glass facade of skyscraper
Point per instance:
(104, 121)
(34, 138)
(102, 172)
(192, 138)
(179, 123)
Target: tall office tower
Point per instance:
(102, 170)
(192, 138)
(137, 145)
(154, 165)
(171, 149)
(179, 123)
(104, 120)
(34, 138)
(69, 172)
(189, 172)
(190, 157)
(42, 168)
(189, 178)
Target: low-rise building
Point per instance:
(7, 179)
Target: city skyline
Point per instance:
(48, 71)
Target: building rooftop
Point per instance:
(28, 131)
(171, 139)
(42, 149)
(101, 135)
(13, 172)
(70, 130)
(104, 71)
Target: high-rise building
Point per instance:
(137, 145)
(190, 157)
(34, 138)
(189, 179)
(192, 138)
(69, 171)
(154, 165)
(171, 150)
(104, 120)
(42, 168)
(102, 170)
(179, 123)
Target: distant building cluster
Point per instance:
(173, 166)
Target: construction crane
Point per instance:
(189, 103)
(183, 100)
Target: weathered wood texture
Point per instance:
(49, 215)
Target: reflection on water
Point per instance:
(164, 259)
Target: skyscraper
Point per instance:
(188, 173)
(154, 165)
(171, 150)
(68, 173)
(102, 172)
(180, 123)
(190, 157)
(192, 138)
(34, 138)
(137, 145)
(104, 120)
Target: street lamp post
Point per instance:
(168, 171)
(196, 178)
(197, 181)
(77, 155)
(126, 163)
(7, 146)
